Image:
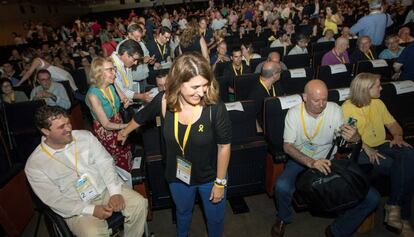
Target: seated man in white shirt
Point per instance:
(301, 45)
(72, 173)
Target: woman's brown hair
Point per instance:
(184, 68)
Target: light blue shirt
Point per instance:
(62, 99)
(373, 25)
(387, 54)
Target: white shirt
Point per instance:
(294, 132)
(217, 24)
(298, 50)
(125, 84)
(54, 183)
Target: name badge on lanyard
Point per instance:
(85, 188)
(183, 170)
(308, 149)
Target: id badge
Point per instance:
(85, 188)
(183, 170)
(308, 149)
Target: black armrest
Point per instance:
(116, 220)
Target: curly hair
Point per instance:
(188, 35)
(44, 116)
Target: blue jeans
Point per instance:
(399, 166)
(344, 225)
(184, 198)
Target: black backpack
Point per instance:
(343, 188)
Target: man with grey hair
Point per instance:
(267, 86)
(373, 24)
(272, 57)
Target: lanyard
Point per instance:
(52, 157)
(186, 134)
(370, 56)
(235, 71)
(124, 76)
(273, 89)
(111, 99)
(341, 59)
(203, 33)
(162, 52)
(318, 127)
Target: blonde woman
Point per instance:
(104, 104)
(393, 158)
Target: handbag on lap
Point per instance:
(338, 191)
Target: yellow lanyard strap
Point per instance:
(124, 76)
(235, 71)
(186, 134)
(318, 127)
(273, 89)
(370, 56)
(56, 159)
(163, 51)
(111, 99)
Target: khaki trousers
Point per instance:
(135, 213)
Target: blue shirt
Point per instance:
(387, 54)
(106, 105)
(406, 58)
(373, 25)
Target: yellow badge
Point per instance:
(201, 128)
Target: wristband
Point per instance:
(219, 185)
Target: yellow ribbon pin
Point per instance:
(201, 128)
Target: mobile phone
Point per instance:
(352, 121)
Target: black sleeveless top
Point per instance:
(212, 128)
(193, 47)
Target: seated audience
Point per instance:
(220, 56)
(301, 45)
(394, 158)
(11, 73)
(248, 53)
(404, 66)
(328, 37)
(393, 49)
(309, 131)
(272, 57)
(53, 93)
(339, 54)
(8, 95)
(104, 103)
(404, 34)
(364, 50)
(267, 87)
(72, 173)
(237, 66)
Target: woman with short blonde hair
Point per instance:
(104, 103)
(197, 134)
(393, 158)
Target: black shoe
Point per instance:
(278, 229)
(328, 232)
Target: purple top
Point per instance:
(331, 58)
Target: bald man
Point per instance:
(272, 57)
(308, 135)
(266, 87)
(338, 55)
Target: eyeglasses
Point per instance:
(110, 69)
(43, 79)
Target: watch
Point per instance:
(222, 182)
